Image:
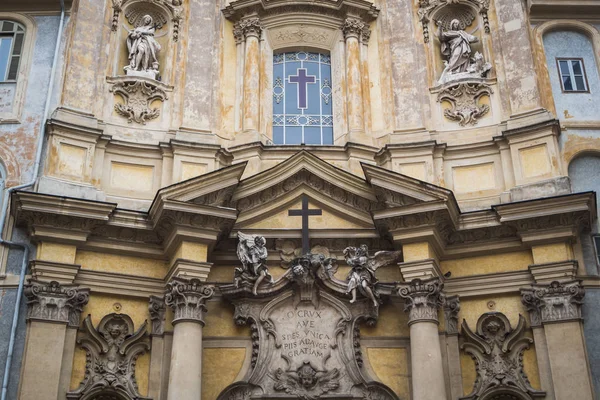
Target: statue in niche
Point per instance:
(143, 50)
(456, 48)
(362, 275)
(252, 253)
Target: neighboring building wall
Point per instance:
(18, 142)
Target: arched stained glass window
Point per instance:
(302, 98)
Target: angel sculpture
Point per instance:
(306, 382)
(362, 275)
(252, 253)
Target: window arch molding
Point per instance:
(13, 115)
(560, 25)
(304, 26)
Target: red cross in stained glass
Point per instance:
(302, 80)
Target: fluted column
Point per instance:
(352, 29)
(187, 299)
(251, 29)
(555, 313)
(422, 301)
(51, 308)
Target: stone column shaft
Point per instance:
(187, 299)
(422, 301)
(352, 30)
(251, 29)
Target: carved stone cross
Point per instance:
(305, 212)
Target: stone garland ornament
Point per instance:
(361, 277)
(555, 302)
(112, 350)
(497, 350)
(252, 253)
(140, 8)
(138, 94)
(427, 8)
(51, 301)
(464, 100)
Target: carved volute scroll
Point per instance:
(112, 349)
(497, 350)
(51, 301)
(553, 303)
(157, 309)
(305, 336)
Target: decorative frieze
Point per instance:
(112, 350)
(556, 302)
(157, 309)
(53, 302)
(451, 310)
(464, 100)
(497, 350)
(422, 299)
(187, 298)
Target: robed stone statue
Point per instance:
(143, 50)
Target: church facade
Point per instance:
(277, 199)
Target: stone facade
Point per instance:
(441, 244)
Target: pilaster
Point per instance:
(51, 308)
(557, 308)
(157, 309)
(451, 310)
(422, 301)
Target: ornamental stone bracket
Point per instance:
(187, 298)
(305, 336)
(53, 302)
(443, 11)
(422, 299)
(557, 302)
(160, 11)
(112, 350)
(464, 99)
(137, 95)
(497, 350)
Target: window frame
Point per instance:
(572, 74)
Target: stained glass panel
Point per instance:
(302, 98)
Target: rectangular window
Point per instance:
(572, 75)
(12, 35)
(302, 98)
(596, 239)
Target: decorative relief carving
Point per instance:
(302, 34)
(112, 350)
(138, 9)
(51, 301)
(138, 95)
(187, 298)
(422, 299)
(157, 309)
(428, 7)
(306, 382)
(464, 99)
(252, 253)
(554, 302)
(497, 350)
(451, 310)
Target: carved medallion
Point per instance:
(138, 95)
(464, 98)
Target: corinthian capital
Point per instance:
(51, 301)
(554, 302)
(157, 309)
(422, 299)
(247, 27)
(353, 27)
(187, 298)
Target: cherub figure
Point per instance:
(362, 275)
(252, 253)
(306, 382)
